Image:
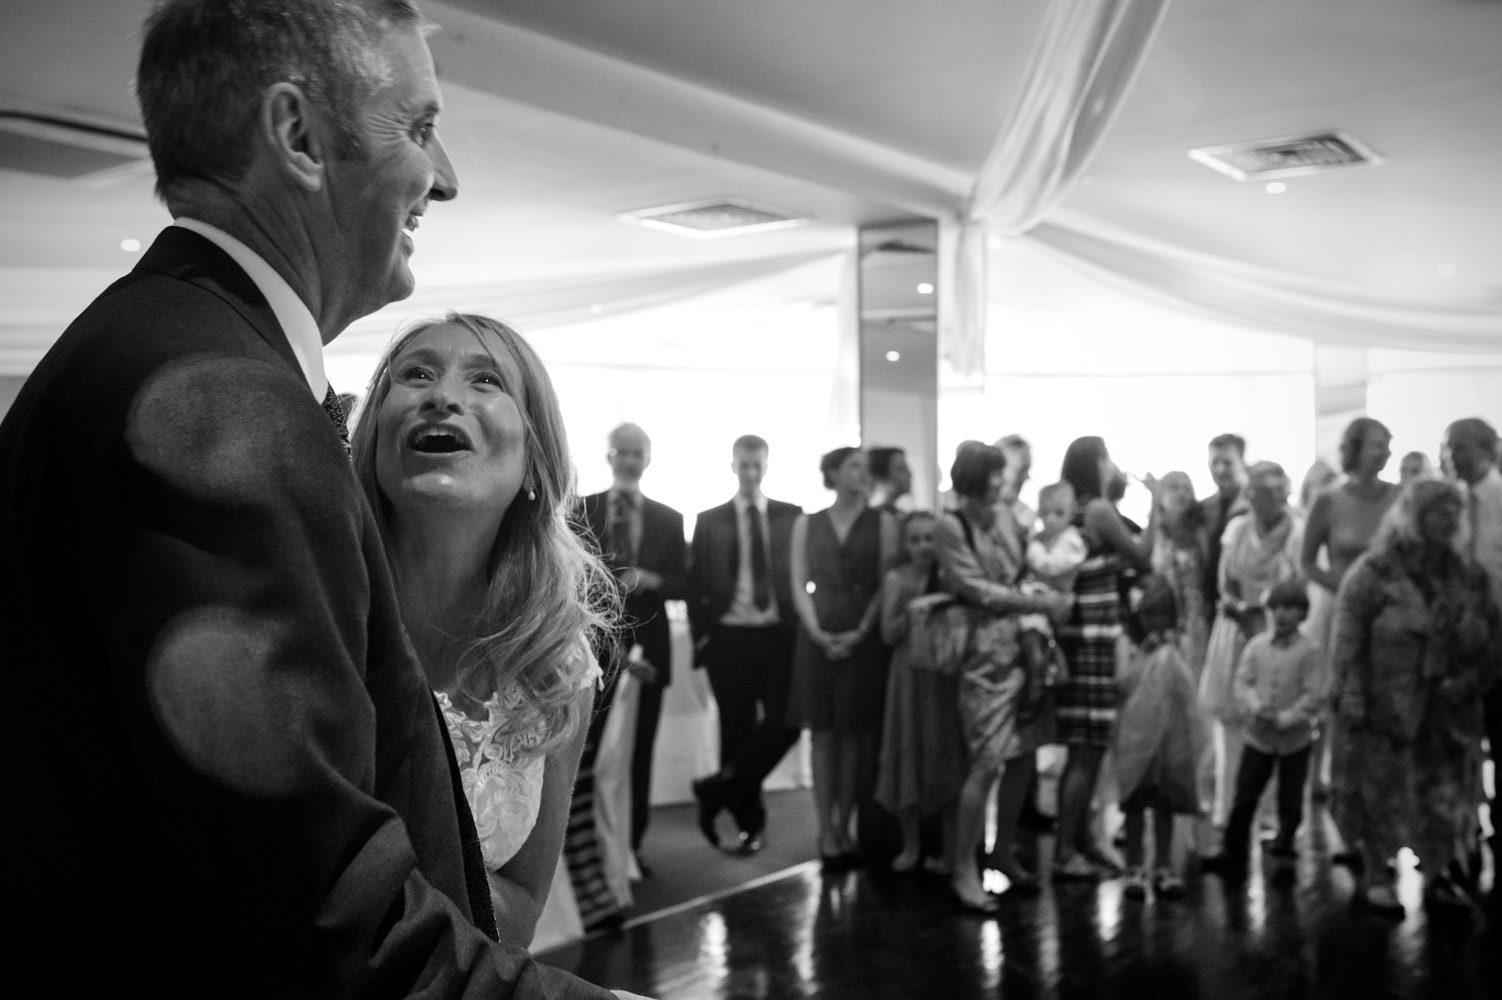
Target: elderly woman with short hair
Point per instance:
(1259, 550)
(1416, 647)
(980, 555)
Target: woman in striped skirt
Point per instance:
(1085, 704)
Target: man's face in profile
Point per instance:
(900, 475)
(378, 198)
(1466, 456)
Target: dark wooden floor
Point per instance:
(872, 935)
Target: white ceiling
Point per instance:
(562, 113)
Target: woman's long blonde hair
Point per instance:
(547, 591)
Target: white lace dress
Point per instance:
(502, 774)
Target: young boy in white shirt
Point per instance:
(1280, 685)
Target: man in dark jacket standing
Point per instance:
(741, 612)
(205, 667)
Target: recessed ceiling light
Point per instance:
(1277, 187)
(925, 289)
(1447, 270)
(894, 356)
(130, 246)
(714, 218)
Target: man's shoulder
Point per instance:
(722, 511)
(782, 508)
(659, 508)
(230, 422)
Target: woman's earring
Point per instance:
(531, 496)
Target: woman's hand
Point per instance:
(1054, 605)
(843, 644)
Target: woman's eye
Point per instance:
(490, 378)
(413, 372)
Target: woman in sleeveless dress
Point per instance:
(1086, 702)
(1340, 526)
(979, 548)
(838, 558)
(462, 454)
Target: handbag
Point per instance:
(940, 633)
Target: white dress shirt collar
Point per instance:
(293, 315)
(741, 503)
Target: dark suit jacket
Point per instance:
(662, 552)
(1215, 526)
(213, 724)
(715, 561)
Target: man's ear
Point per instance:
(297, 145)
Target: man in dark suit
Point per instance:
(1228, 470)
(642, 540)
(205, 668)
(741, 611)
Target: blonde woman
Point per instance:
(462, 453)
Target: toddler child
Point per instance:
(1279, 687)
(1160, 737)
(1054, 557)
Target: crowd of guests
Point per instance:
(1345, 646)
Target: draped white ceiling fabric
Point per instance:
(1079, 73)
(538, 305)
(1267, 300)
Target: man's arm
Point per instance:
(241, 592)
(674, 571)
(701, 584)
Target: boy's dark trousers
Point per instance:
(1251, 778)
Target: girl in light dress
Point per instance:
(1160, 741)
(922, 753)
(462, 453)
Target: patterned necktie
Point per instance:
(761, 590)
(622, 504)
(332, 407)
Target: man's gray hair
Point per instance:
(205, 64)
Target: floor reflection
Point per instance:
(1286, 933)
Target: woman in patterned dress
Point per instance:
(839, 556)
(1086, 702)
(1416, 645)
(980, 555)
(462, 454)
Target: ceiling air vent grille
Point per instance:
(713, 218)
(1288, 156)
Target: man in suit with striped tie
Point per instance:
(740, 608)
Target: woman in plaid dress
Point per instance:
(1085, 704)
